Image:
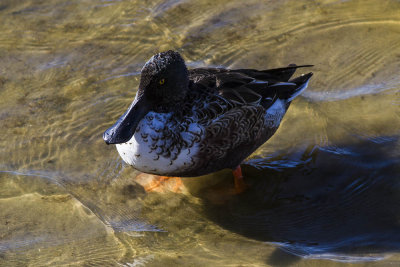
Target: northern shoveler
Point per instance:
(194, 122)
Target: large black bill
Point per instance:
(123, 130)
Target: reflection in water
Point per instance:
(326, 186)
(329, 203)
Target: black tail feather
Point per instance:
(272, 75)
(284, 74)
(302, 79)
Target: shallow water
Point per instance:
(324, 190)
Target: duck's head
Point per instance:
(163, 85)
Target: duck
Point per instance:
(193, 122)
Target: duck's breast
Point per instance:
(161, 146)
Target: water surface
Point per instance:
(324, 190)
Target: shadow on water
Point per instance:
(327, 203)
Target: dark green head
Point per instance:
(163, 85)
(164, 78)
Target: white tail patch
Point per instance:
(275, 113)
(299, 91)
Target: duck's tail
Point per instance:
(281, 74)
(302, 83)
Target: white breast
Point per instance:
(144, 153)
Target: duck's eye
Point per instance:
(162, 81)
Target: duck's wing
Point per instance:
(249, 86)
(231, 105)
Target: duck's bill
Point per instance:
(123, 130)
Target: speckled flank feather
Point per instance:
(224, 117)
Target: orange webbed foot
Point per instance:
(160, 184)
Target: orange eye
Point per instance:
(162, 81)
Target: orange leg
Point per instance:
(240, 185)
(155, 183)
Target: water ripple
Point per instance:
(337, 95)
